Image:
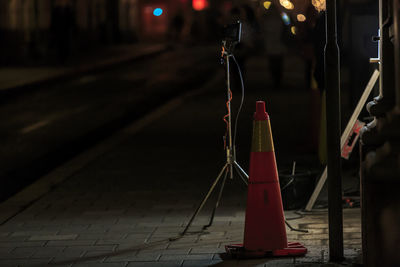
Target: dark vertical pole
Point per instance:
(396, 28)
(386, 66)
(332, 82)
(113, 19)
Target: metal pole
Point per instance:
(229, 150)
(332, 82)
(396, 27)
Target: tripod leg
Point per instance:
(219, 198)
(231, 171)
(205, 199)
(241, 173)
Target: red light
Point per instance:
(199, 4)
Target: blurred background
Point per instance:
(73, 72)
(42, 31)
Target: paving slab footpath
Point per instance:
(121, 202)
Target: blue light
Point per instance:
(157, 12)
(285, 18)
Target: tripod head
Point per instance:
(232, 35)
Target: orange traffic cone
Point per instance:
(264, 231)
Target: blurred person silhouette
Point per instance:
(306, 37)
(62, 23)
(176, 26)
(244, 49)
(219, 25)
(319, 40)
(273, 30)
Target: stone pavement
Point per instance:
(119, 203)
(52, 122)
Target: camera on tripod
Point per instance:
(232, 35)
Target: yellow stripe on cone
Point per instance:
(262, 137)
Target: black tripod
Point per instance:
(231, 163)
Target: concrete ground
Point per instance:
(120, 202)
(47, 124)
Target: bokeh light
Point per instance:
(285, 18)
(301, 17)
(286, 4)
(267, 4)
(319, 5)
(199, 4)
(157, 12)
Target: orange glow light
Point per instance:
(301, 18)
(320, 5)
(286, 4)
(199, 4)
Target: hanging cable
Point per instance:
(295, 229)
(241, 101)
(226, 116)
